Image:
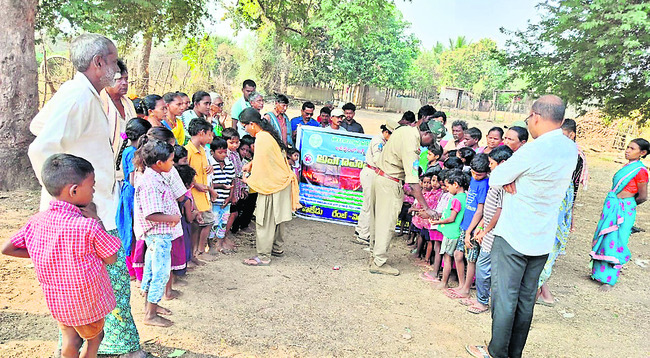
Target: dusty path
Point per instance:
(301, 307)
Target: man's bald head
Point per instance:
(550, 107)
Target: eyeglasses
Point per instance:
(532, 114)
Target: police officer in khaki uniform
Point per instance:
(397, 164)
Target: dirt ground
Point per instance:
(301, 307)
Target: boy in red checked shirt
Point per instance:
(69, 252)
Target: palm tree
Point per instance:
(459, 42)
(438, 48)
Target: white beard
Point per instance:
(108, 80)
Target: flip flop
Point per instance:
(540, 301)
(428, 277)
(451, 293)
(478, 351)
(256, 261)
(277, 253)
(476, 310)
(466, 302)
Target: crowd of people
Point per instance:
(150, 189)
(499, 215)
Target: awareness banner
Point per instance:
(331, 162)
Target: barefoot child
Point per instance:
(180, 245)
(181, 163)
(223, 175)
(69, 252)
(432, 197)
(171, 178)
(435, 237)
(421, 225)
(157, 221)
(449, 225)
(135, 128)
(484, 236)
(201, 134)
(434, 234)
(467, 247)
(238, 186)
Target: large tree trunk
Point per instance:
(143, 73)
(19, 92)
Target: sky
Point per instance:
(438, 20)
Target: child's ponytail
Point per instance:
(153, 134)
(125, 143)
(135, 129)
(138, 161)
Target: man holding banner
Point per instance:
(398, 164)
(367, 176)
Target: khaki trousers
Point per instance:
(366, 178)
(270, 215)
(386, 202)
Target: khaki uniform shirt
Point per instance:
(400, 157)
(374, 149)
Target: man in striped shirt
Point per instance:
(222, 182)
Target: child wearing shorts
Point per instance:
(484, 236)
(467, 246)
(69, 252)
(456, 183)
(201, 134)
(223, 175)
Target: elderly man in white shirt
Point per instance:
(535, 179)
(73, 121)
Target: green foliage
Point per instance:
(424, 75)
(213, 56)
(271, 62)
(475, 67)
(214, 62)
(123, 20)
(590, 53)
(458, 42)
(324, 40)
(370, 42)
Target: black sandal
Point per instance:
(277, 253)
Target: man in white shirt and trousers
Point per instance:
(535, 178)
(73, 121)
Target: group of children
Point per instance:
(184, 200)
(460, 235)
(178, 204)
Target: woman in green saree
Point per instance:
(629, 188)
